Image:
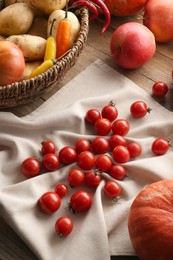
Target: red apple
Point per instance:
(132, 45)
(158, 17)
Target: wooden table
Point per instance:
(159, 68)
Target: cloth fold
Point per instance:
(102, 231)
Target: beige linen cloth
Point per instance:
(102, 231)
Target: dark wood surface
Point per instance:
(157, 69)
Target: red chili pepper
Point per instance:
(102, 6)
(91, 7)
(70, 3)
(106, 12)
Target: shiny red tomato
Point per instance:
(112, 189)
(118, 172)
(120, 127)
(50, 162)
(92, 179)
(86, 160)
(103, 126)
(134, 149)
(67, 155)
(82, 145)
(121, 154)
(160, 146)
(110, 112)
(61, 189)
(76, 177)
(100, 145)
(103, 163)
(92, 116)
(64, 226)
(139, 109)
(117, 140)
(49, 202)
(159, 89)
(80, 201)
(48, 147)
(30, 167)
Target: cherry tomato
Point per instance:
(49, 202)
(64, 226)
(110, 112)
(50, 162)
(120, 127)
(121, 154)
(82, 145)
(92, 116)
(61, 190)
(30, 167)
(160, 146)
(160, 89)
(103, 163)
(76, 177)
(117, 140)
(67, 155)
(112, 189)
(92, 179)
(48, 147)
(80, 201)
(103, 126)
(139, 109)
(86, 160)
(100, 145)
(118, 172)
(134, 149)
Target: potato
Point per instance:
(38, 30)
(48, 6)
(33, 47)
(10, 2)
(59, 15)
(2, 38)
(29, 67)
(16, 19)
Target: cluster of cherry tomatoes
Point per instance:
(106, 153)
(50, 202)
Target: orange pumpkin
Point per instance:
(125, 7)
(150, 222)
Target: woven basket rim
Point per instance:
(23, 91)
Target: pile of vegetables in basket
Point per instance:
(29, 29)
(35, 34)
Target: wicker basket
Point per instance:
(23, 92)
